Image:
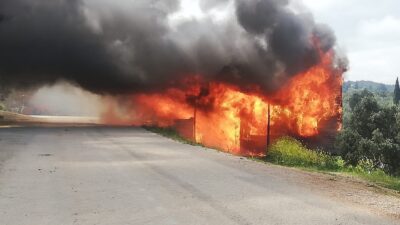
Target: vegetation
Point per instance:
(290, 152)
(170, 132)
(369, 85)
(396, 94)
(370, 141)
(371, 133)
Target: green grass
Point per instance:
(380, 178)
(290, 152)
(170, 133)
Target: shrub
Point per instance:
(290, 152)
(372, 134)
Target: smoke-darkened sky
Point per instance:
(128, 46)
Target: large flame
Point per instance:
(223, 116)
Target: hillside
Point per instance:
(369, 85)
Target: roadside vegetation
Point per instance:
(371, 130)
(290, 152)
(171, 133)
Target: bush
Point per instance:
(290, 152)
(371, 134)
(348, 142)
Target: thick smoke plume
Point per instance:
(133, 46)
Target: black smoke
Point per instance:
(125, 46)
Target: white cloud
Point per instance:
(377, 64)
(369, 32)
(387, 28)
(191, 9)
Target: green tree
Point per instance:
(382, 88)
(357, 97)
(346, 87)
(372, 134)
(347, 142)
(396, 96)
(364, 106)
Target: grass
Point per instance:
(292, 153)
(170, 133)
(380, 178)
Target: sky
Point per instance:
(368, 31)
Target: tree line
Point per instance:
(371, 134)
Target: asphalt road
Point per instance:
(124, 176)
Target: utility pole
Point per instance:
(194, 120)
(269, 126)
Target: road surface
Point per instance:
(121, 176)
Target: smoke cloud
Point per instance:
(123, 46)
(75, 101)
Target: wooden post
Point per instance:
(269, 126)
(194, 121)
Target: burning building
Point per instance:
(224, 116)
(237, 74)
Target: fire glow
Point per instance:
(223, 116)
